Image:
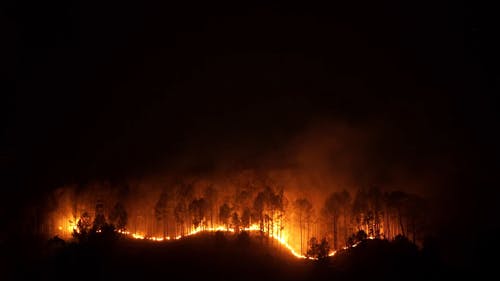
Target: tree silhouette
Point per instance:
(100, 219)
(318, 250)
(210, 195)
(197, 209)
(161, 212)
(324, 248)
(375, 202)
(224, 214)
(235, 222)
(342, 217)
(335, 204)
(179, 213)
(360, 236)
(397, 201)
(82, 226)
(303, 209)
(184, 195)
(118, 216)
(360, 210)
(258, 206)
(245, 217)
(415, 215)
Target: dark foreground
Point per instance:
(216, 257)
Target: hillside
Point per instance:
(223, 257)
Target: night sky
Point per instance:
(114, 90)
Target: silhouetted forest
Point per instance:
(337, 218)
(222, 256)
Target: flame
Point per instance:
(138, 236)
(281, 239)
(66, 226)
(254, 227)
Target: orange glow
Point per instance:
(137, 236)
(253, 227)
(278, 217)
(282, 238)
(66, 226)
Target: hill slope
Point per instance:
(224, 257)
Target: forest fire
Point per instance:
(196, 141)
(298, 222)
(253, 228)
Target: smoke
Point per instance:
(321, 158)
(325, 155)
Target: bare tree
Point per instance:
(99, 219)
(210, 195)
(235, 222)
(258, 206)
(118, 216)
(318, 250)
(180, 213)
(83, 226)
(245, 217)
(333, 207)
(197, 209)
(161, 213)
(303, 208)
(224, 214)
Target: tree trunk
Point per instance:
(335, 232)
(164, 232)
(345, 226)
(308, 223)
(414, 230)
(300, 227)
(400, 217)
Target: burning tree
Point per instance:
(210, 195)
(100, 219)
(118, 216)
(82, 226)
(335, 205)
(197, 209)
(303, 209)
(235, 222)
(224, 214)
(318, 250)
(259, 204)
(245, 217)
(161, 214)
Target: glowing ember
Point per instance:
(137, 236)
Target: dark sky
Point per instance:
(113, 90)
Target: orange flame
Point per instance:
(254, 227)
(281, 239)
